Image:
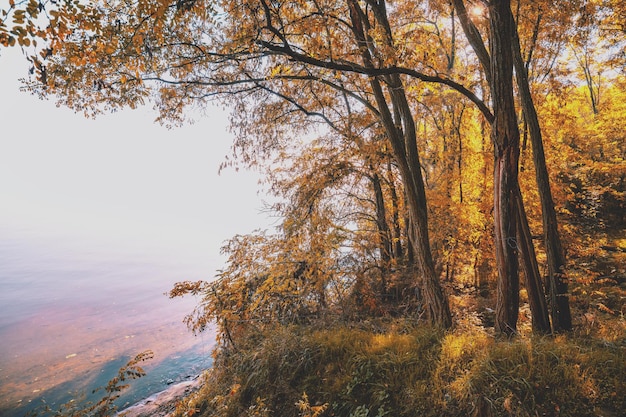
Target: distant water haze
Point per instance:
(70, 319)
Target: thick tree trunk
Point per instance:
(505, 134)
(505, 219)
(556, 280)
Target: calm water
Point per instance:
(71, 315)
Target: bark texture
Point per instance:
(505, 135)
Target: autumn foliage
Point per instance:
(433, 161)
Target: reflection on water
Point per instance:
(70, 319)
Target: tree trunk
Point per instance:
(404, 144)
(435, 303)
(556, 280)
(460, 159)
(505, 135)
(403, 138)
(534, 286)
(497, 65)
(397, 233)
(505, 219)
(384, 234)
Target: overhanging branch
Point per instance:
(375, 72)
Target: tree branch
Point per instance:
(473, 36)
(375, 72)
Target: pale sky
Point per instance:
(120, 181)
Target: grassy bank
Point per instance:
(381, 368)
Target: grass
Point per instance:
(397, 369)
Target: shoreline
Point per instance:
(163, 403)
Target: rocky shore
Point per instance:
(162, 404)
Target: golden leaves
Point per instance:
(179, 54)
(25, 19)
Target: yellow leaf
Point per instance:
(275, 71)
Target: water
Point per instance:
(98, 218)
(72, 314)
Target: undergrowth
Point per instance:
(396, 369)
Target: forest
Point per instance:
(447, 178)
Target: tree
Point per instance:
(505, 135)
(152, 42)
(557, 282)
(511, 225)
(364, 58)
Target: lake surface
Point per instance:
(72, 314)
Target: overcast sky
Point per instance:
(120, 181)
